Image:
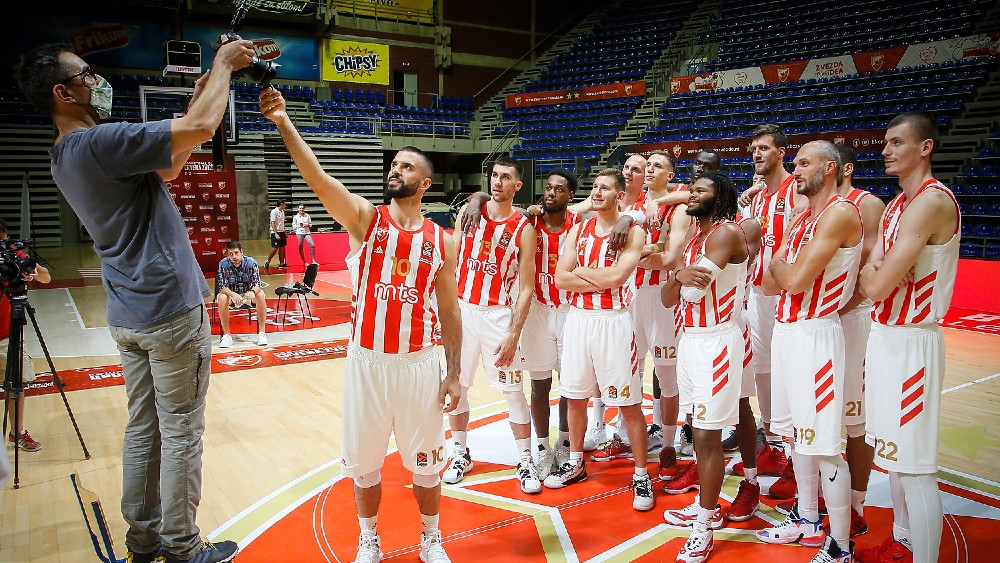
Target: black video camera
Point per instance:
(260, 71)
(14, 265)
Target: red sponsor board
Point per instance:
(107, 376)
(976, 321)
(860, 141)
(266, 49)
(97, 38)
(602, 92)
(875, 61)
(206, 199)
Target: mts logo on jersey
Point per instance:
(510, 377)
(545, 278)
(474, 265)
(399, 292)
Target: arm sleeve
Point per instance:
(691, 294)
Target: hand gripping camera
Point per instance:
(260, 71)
(14, 264)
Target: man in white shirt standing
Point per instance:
(278, 237)
(302, 225)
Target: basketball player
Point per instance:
(543, 331)
(402, 271)
(710, 353)
(497, 252)
(633, 207)
(910, 277)
(856, 320)
(656, 328)
(813, 273)
(599, 349)
(772, 207)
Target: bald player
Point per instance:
(813, 274)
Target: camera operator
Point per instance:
(112, 175)
(40, 274)
(237, 284)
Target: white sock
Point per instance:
(523, 446)
(597, 413)
(923, 505)
(704, 514)
(807, 478)
(640, 472)
(669, 435)
(858, 501)
(368, 524)
(430, 523)
(657, 415)
(750, 474)
(460, 437)
(575, 457)
(835, 477)
(543, 443)
(564, 438)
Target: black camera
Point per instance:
(15, 264)
(260, 71)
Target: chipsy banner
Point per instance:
(354, 61)
(602, 92)
(830, 67)
(861, 141)
(421, 11)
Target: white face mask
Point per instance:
(100, 98)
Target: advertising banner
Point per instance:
(206, 200)
(946, 50)
(601, 92)
(860, 141)
(354, 61)
(298, 56)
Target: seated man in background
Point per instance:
(237, 284)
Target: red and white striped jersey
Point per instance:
(664, 215)
(487, 261)
(926, 298)
(833, 287)
(639, 205)
(593, 251)
(856, 196)
(773, 211)
(550, 245)
(393, 276)
(724, 297)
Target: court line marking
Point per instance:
(76, 312)
(970, 383)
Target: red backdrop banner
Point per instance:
(601, 92)
(206, 199)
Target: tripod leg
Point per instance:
(55, 379)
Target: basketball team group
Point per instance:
(814, 296)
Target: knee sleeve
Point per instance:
(463, 403)
(368, 480)
(426, 481)
(856, 430)
(667, 376)
(518, 405)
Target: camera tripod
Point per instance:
(13, 385)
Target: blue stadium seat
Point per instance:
(983, 230)
(969, 250)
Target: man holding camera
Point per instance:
(237, 285)
(23, 440)
(113, 176)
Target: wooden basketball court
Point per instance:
(271, 477)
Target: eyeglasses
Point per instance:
(87, 76)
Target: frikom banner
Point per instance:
(860, 141)
(946, 50)
(354, 61)
(601, 92)
(206, 200)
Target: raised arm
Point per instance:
(350, 210)
(207, 106)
